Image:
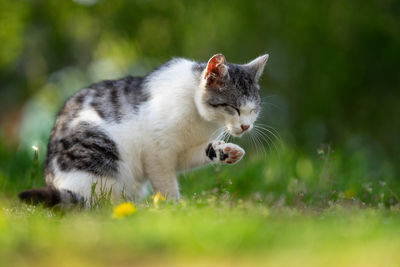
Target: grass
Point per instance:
(290, 209)
(200, 232)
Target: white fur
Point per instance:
(168, 135)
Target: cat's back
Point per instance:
(110, 101)
(112, 119)
(80, 135)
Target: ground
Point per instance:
(198, 233)
(273, 210)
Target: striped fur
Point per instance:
(127, 132)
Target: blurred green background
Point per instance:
(331, 84)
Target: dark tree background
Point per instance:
(333, 74)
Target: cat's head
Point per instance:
(229, 93)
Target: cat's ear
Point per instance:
(216, 70)
(256, 66)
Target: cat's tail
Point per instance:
(50, 196)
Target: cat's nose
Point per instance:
(244, 127)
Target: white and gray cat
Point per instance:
(123, 133)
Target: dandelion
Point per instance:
(158, 198)
(123, 210)
(349, 193)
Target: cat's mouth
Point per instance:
(236, 132)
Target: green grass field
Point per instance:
(280, 209)
(332, 77)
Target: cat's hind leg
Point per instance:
(95, 188)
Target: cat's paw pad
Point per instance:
(226, 152)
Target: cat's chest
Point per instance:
(188, 131)
(197, 133)
(193, 129)
(181, 124)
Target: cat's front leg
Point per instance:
(210, 152)
(160, 170)
(226, 153)
(166, 184)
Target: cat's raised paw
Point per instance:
(227, 153)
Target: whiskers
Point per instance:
(264, 135)
(266, 103)
(221, 134)
(263, 138)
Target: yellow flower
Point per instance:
(123, 210)
(349, 193)
(158, 198)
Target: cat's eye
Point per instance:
(234, 108)
(227, 106)
(237, 110)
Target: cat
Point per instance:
(122, 133)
